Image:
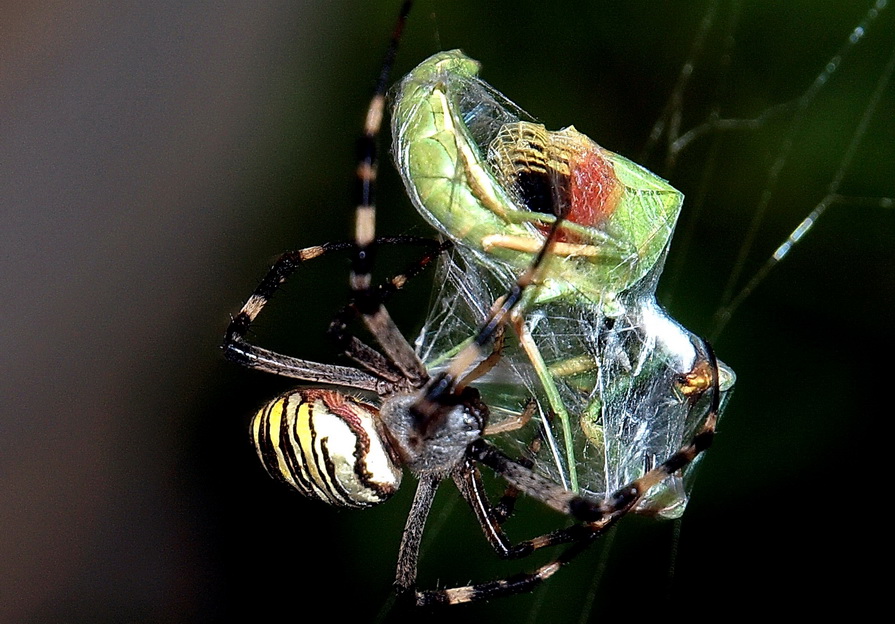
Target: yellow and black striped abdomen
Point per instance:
(326, 445)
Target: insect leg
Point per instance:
(553, 397)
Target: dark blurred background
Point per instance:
(156, 156)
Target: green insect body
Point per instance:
(457, 191)
(608, 367)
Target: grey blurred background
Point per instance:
(156, 156)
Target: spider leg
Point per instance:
(483, 367)
(446, 383)
(491, 517)
(469, 483)
(516, 584)
(381, 376)
(238, 350)
(364, 295)
(408, 555)
(361, 353)
(595, 516)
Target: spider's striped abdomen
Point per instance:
(325, 444)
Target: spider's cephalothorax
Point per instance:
(431, 443)
(347, 451)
